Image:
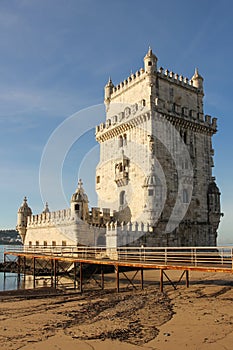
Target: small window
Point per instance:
(77, 207)
(122, 198)
(150, 192)
(185, 137)
(97, 179)
(54, 243)
(63, 243)
(185, 196)
(124, 139)
(149, 63)
(45, 243)
(37, 243)
(30, 244)
(120, 141)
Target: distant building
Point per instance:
(155, 170)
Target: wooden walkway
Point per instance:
(59, 261)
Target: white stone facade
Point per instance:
(154, 174)
(156, 157)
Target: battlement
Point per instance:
(121, 234)
(171, 109)
(97, 217)
(176, 78)
(129, 227)
(141, 74)
(54, 217)
(132, 79)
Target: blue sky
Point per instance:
(55, 58)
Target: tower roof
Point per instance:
(150, 54)
(79, 195)
(46, 209)
(197, 75)
(25, 208)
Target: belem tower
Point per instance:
(154, 178)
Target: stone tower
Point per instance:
(23, 213)
(156, 156)
(79, 202)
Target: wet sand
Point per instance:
(200, 317)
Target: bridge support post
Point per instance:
(80, 277)
(75, 273)
(117, 278)
(142, 281)
(102, 277)
(161, 280)
(34, 272)
(55, 273)
(187, 278)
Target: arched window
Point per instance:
(125, 139)
(120, 141)
(185, 196)
(122, 198)
(185, 137)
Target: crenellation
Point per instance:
(208, 119)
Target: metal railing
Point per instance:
(221, 257)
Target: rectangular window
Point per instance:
(37, 243)
(97, 179)
(30, 244)
(76, 207)
(150, 192)
(54, 243)
(45, 243)
(63, 243)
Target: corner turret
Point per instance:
(46, 209)
(197, 80)
(150, 62)
(108, 91)
(23, 213)
(79, 202)
(213, 200)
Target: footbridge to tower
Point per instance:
(55, 263)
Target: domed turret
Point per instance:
(150, 62)
(46, 209)
(152, 197)
(23, 213)
(213, 200)
(197, 80)
(79, 202)
(108, 90)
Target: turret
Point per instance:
(152, 198)
(79, 202)
(197, 80)
(150, 62)
(213, 200)
(108, 91)
(46, 209)
(23, 213)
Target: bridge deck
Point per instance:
(204, 259)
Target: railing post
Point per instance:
(195, 256)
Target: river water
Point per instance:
(8, 281)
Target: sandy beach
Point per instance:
(194, 318)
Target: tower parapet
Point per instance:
(23, 213)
